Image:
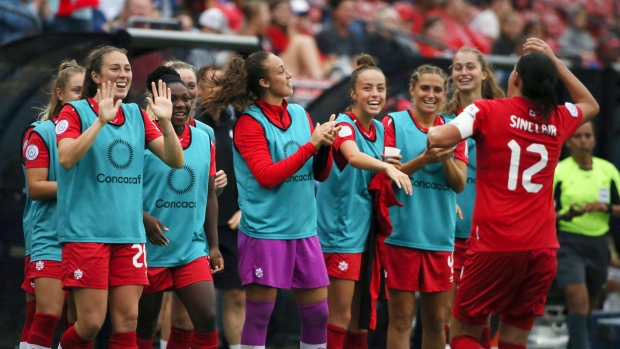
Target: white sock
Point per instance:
(252, 346)
(234, 346)
(303, 345)
(163, 344)
(23, 345)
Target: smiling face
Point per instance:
(369, 94)
(117, 70)
(189, 78)
(467, 72)
(181, 104)
(72, 90)
(427, 94)
(278, 81)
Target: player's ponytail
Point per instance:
(539, 77)
(239, 84)
(65, 71)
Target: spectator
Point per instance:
(213, 21)
(487, 21)
(18, 19)
(510, 29)
(337, 41)
(297, 50)
(390, 41)
(256, 21)
(434, 30)
(576, 42)
(140, 8)
(233, 11)
(608, 51)
(456, 18)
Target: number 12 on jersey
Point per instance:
(526, 178)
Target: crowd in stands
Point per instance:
(319, 39)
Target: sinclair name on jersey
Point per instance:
(533, 127)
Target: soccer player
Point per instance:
(41, 168)
(101, 145)
(511, 258)
(586, 195)
(345, 206)
(186, 203)
(277, 156)
(473, 80)
(418, 254)
(228, 281)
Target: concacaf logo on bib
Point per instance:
(32, 152)
(62, 126)
(572, 109)
(181, 180)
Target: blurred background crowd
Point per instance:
(317, 39)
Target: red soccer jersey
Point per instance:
(517, 155)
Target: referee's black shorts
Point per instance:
(583, 259)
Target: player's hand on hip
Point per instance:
(161, 104)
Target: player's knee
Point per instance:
(577, 303)
(401, 322)
(88, 327)
(315, 315)
(205, 322)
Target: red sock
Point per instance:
(202, 340)
(464, 342)
(356, 340)
(179, 339)
(510, 346)
(485, 338)
(145, 343)
(42, 330)
(31, 309)
(335, 337)
(125, 340)
(71, 340)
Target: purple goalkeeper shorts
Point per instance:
(282, 263)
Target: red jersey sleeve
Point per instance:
(212, 170)
(461, 152)
(36, 154)
(570, 117)
(150, 128)
(249, 139)
(69, 124)
(389, 132)
(346, 133)
(481, 106)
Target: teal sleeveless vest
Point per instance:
(427, 221)
(288, 211)
(205, 128)
(44, 245)
(30, 206)
(343, 202)
(100, 197)
(178, 198)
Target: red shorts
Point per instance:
(97, 265)
(45, 269)
(410, 269)
(460, 249)
(27, 285)
(513, 284)
(168, 279)
(343, 265)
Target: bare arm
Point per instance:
(456, 174)
(363, 161)
(39, 188)
(210, 225)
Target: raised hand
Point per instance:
(161, 104)
(107, 107)
(538, 45)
